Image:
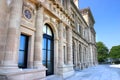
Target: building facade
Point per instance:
(39, 38)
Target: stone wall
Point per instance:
(74, 38)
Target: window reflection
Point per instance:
(22, 43)
(23, 49)
(47, 30)
(47, 49)
(21, 58)
(49, 55)
(44, 55)
(49, 45)
(49, 66)
(44, 43)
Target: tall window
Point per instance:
(78, 28)
(80, 52)
(85, 54)
(23, 52)
(48, 50)
(65, 55)
(64, 32)
(73, 49)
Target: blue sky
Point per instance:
(107, 16)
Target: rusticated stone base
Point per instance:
(66, 71)
(24, 74)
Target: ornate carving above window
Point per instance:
(27, 14)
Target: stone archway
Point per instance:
(55, 42)
(48, 49)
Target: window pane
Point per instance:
(44, 43)
(49, 45)
(44, 57)
(49, 66)
(49, 31)
(21, 58)
(49, 56)
(22, 42)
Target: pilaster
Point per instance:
(38, 38)
(82, 56)
(11, 54)
(75, 56)
(3, 28)
(60, 44)
(69, 45)
(56, 60)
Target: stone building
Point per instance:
(39, 38)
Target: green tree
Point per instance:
(102, 51)
(115, 52)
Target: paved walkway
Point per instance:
(100, 72)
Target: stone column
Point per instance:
(78, 59)
(11, 54)
(91, 53)
(69, 45)
(38, 38)
(3, 28)
(60, 45)
(88, 55)
(56, 55)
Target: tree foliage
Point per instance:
(115, 52)
(102, 51)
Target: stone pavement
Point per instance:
(100, 72)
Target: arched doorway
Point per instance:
(48, 49)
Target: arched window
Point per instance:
(47, 30)
(48, 49)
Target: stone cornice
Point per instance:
(92, 44)
(88, 11)
(79, 37)
(49, 5)
(78, 12)
(57, 11)
(36, 1)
